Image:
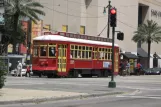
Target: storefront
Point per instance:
(131, 58)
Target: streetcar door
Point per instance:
(62, 57)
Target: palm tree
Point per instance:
(21, 9)
(147, 33)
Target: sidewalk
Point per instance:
(13, 96)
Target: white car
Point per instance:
(24, 70)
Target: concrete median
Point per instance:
(14, 96)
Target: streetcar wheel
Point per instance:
(76, 74)
(40, 75)
(49, 75)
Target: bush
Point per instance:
(3, 73)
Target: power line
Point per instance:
(127, 24)
(89, 17)
(72, 15)
(102, 30)
(94, 5)
(76, 10)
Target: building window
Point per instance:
(46, 28)
(65, 28)
(82, 30)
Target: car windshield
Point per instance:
(156, 69)
(24, 67)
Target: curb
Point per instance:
(41, 100)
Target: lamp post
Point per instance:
(108, 22)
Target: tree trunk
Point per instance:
(149, 48)
(16, 16)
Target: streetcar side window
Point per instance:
(80, 52)
(52, 50)
(36, 51)
(90, 53)
(105, 53)
(72, 51)
(95, 53)
(101, 53)
(43, 50)
(109, 53)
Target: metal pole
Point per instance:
(108, 23)
(29, 42)
(112, 83)
(113, 55)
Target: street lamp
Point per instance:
(108, 22)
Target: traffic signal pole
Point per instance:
(108, 23)
(112, 83)
(113, 12)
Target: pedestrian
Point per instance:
(127, 68)
(28, 71)
(138, 68)
(19, 69)
(121, 68)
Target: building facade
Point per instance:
(87, 17)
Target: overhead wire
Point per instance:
(92, 15)
(86, 17)
(73, 15)
(100, 16)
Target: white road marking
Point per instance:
(140, 88)
(146, 97)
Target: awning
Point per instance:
(129, 55)
(142, 53)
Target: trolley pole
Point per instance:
(112, 83)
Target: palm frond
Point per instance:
(33, 4)
(146, 32)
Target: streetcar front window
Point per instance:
(43, 50)
(52, 50)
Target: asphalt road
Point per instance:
(147, 91)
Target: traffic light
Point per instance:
(113, 19)
(120, 36)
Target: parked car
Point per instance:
(147, 71)
(155, 71)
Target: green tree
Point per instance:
(148, 33)
(3, 73)
(9, 36)
(17, 9)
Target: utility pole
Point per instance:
(28, 56)
(108, 22)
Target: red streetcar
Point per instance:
(56, 55)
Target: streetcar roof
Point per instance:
(67, 39)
